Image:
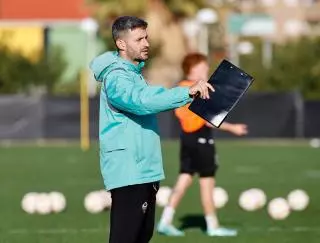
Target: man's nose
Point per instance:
(146, 43)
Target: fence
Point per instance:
(268, 115)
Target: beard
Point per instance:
(141, 55)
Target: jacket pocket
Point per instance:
(112, 162)
(112, 152)
(112, 147)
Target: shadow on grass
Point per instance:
(197, 221)
(192, 221)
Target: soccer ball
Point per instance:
(298, 200)
(247, 201)
(106, 198)
(28, 202)
(252, 199)
(43, 204)
(93, 202)
(278, 208)
(260, 197)
(315, 143)
(163, 196)
(220, 197)
(57, 201)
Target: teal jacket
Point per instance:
(130, 151)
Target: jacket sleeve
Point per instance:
(126, 95)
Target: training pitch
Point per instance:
(275, 166)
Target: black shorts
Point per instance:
(196, 157)
(133, 213)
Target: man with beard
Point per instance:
(130, 151)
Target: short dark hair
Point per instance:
(125, 23)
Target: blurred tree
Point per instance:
(168, 44)
(49, 68)
(105, 11)
(11, 66)
(295, 66)
(20, 74)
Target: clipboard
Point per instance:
(230, 84)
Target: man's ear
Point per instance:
(121, 44)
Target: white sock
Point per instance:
(212, 221)
(167, 215)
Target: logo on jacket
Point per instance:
(144, 207)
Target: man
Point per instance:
(130, 152)
(197, 155)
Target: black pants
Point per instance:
(133, 213)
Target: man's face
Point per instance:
(136, 45)
(200, 71)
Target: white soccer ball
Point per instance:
(28, 202)
(260, 197)
(163, 196)
(106, 198)
(252, 199)
(220, 197)
(58, 202)
(93, 202)
(278, 208)
(298, 200)
(43, 204)
(315, 143)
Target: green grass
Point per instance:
(275, 167)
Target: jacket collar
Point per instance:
(136, 68)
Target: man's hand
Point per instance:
(201, 88)
(238, 129)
